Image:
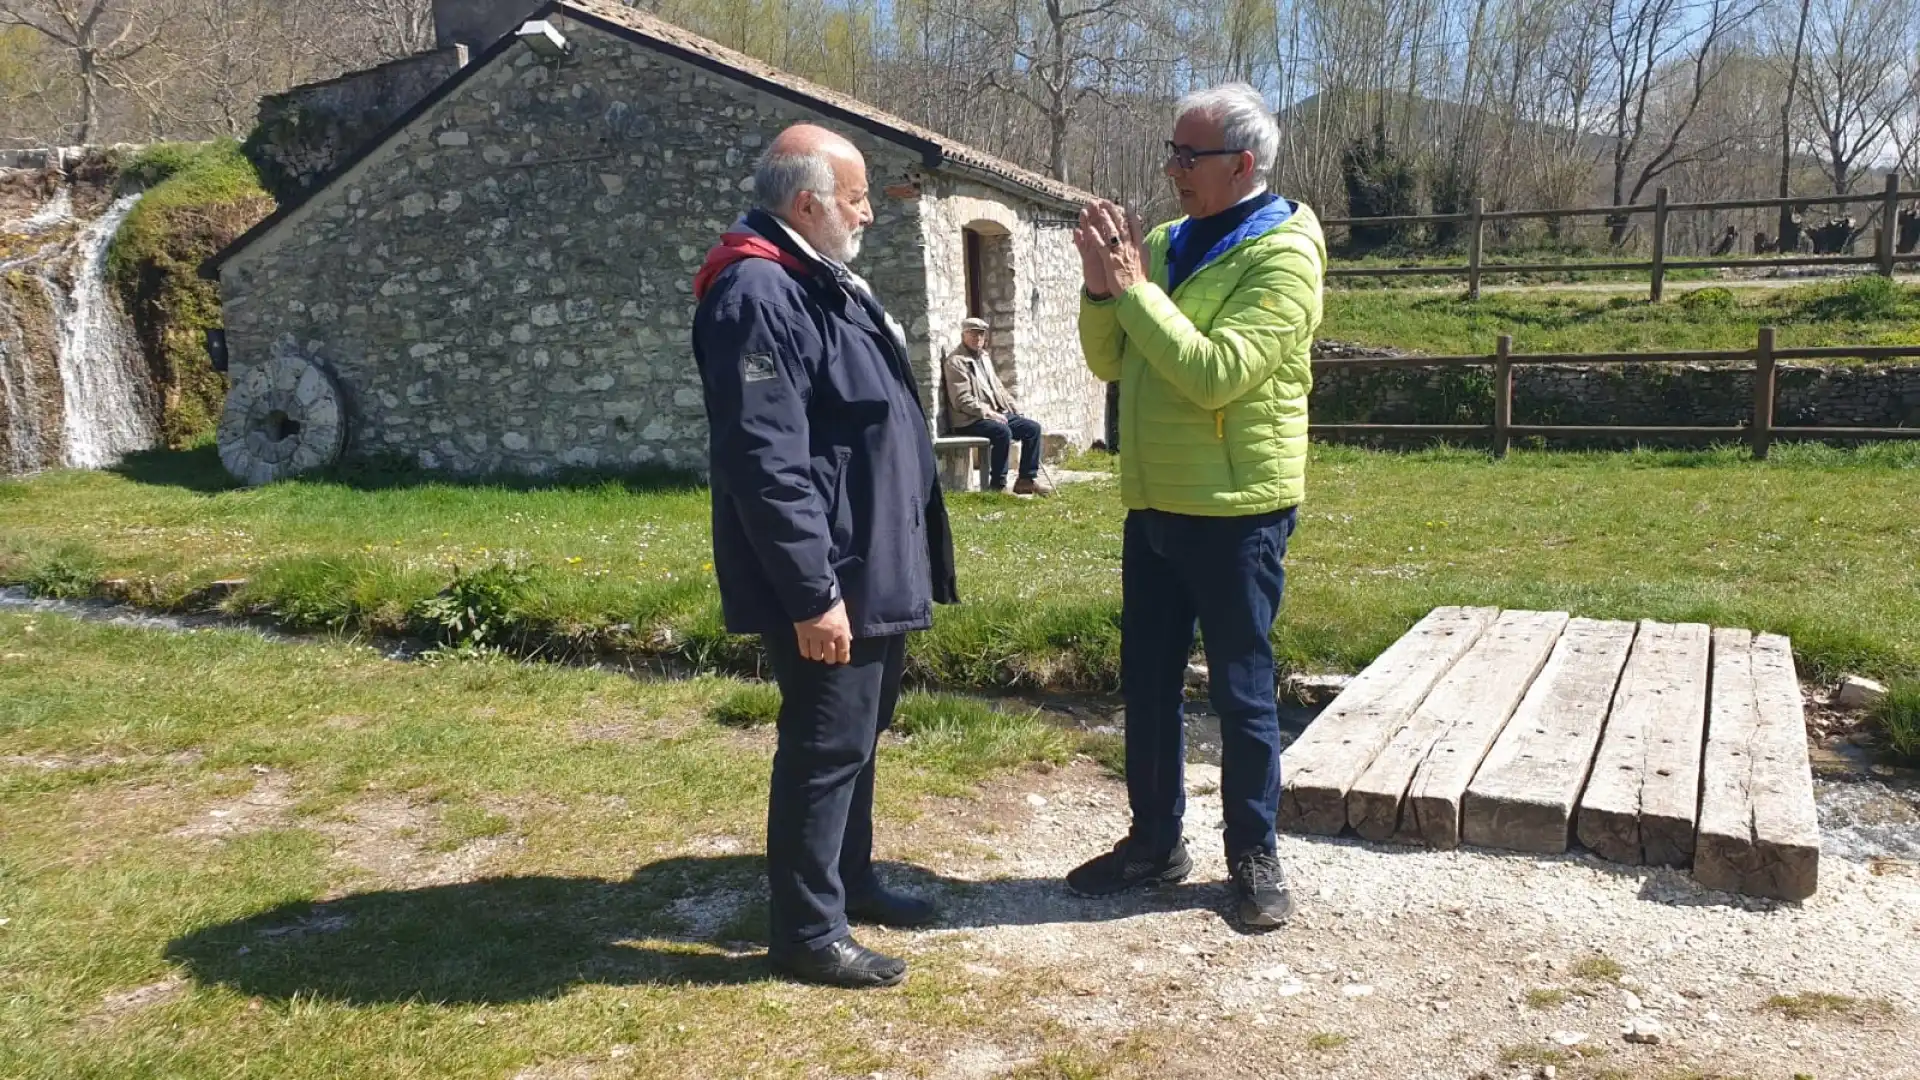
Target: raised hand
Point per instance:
(1092, 245)
(1124, 254)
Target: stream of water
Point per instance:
(1866, 812)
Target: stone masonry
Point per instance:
(505, 285)
(1033, 304)
(1655, 395)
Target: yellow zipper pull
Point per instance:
(1220, 424)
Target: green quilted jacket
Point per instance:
(1214, 379)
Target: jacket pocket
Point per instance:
(1226, 447)
(839, 506)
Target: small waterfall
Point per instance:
(74, 385)
(109, 391)
(57, 212)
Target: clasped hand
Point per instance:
(1113, 258)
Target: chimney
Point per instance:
(477, 24)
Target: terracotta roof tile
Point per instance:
(646, 27)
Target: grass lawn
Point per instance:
(1866, 311)
(176, 804)
(1816, 543)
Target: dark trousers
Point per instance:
(1002, 436)
(1225, 574)
(820, 812)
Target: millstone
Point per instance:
(282, 417)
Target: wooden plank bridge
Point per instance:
(1646, 743)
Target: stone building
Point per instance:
(501, 280)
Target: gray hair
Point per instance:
(779, 177)
(1243, 117)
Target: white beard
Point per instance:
(841, 244)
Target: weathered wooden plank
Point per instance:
(1336, 748)
(1640, 802)
(1523, 795)
(1477, 695)
(1759, 834)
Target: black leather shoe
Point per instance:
(845, 963)
(881, 906)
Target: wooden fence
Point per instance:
(1758, 433)
(1883, 260)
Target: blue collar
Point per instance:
(1260, 222)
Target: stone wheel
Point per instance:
(282, 418)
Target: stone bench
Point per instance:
(965, 461)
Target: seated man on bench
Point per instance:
(981, 407)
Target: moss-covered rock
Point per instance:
(200, 197)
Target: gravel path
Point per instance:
(1414, 963)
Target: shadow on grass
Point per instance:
(199, 470)
(687, 921)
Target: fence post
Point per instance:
(1476, 238)
(1763, 367)
(1659, 244)
(1502, 395)
(1889, 224)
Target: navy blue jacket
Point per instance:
(823, 475)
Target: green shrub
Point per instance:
(476, 609)
(1862, 299)
(1712, 298)
(68, 572)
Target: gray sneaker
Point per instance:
(1261, 887)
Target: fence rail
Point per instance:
(1883, 260)
(1759, 432)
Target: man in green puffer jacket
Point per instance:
(1207, 325)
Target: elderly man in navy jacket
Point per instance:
(830, 538)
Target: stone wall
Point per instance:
(1654, 395)
(507, 285)
(1036, 341)
(309, 131)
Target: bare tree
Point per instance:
(1785, 223)
(1858, 78)
(100, 37)
(1057, 54)
(1648, 43)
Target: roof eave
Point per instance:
(1004, 183)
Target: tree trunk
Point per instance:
(89, 97)
(1785, 223)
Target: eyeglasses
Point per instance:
(1187, 157)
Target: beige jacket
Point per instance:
(973, 389)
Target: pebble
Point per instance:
(1036, 800)
(1631, 999)
(1569, 1038)
(1355, 990)
(1644, 1030)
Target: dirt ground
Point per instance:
(1412, 963)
